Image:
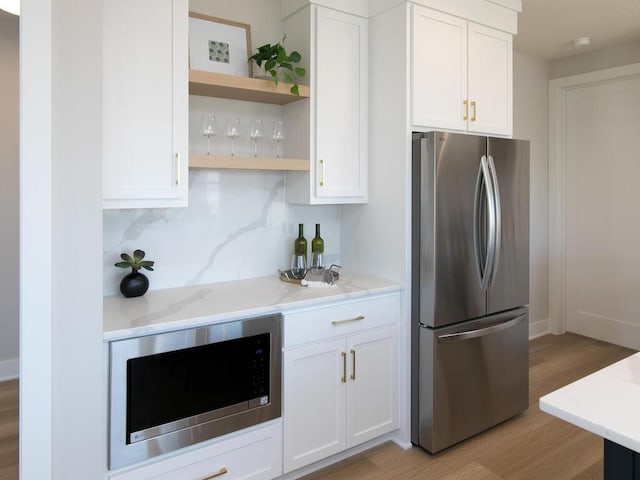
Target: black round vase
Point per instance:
(134, 284)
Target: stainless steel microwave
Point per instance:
(170, 390)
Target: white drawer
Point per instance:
(340, 319)
(253, 455)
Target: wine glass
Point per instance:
(255, 134)
(208, 128)
(278, 136)
(233, 131)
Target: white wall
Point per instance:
(530, 122)
(615, 56)
(9, 197)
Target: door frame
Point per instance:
(558, 89)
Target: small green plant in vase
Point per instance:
(135, 283)
(278, 63)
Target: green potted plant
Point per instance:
(134, 284)
(278, 63)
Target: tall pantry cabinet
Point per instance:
(423, 57)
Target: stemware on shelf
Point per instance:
(256, 133)
(278, 137)
(233, 131)
(208, 128)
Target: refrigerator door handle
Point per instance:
(484, 178)
(498, 220)
(480, 332)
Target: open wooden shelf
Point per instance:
(242, 88)
(247, 163)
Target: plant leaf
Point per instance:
(287, 76)
(146, 263)
(274, 76)
(148, 268)
(270, 64)
(295, 57)
(294, 90)
(300, 71)
(126, 257)
(122, 264)
(138, 255)
(282, 55)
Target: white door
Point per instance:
(490, 80)
(603, 224)
(372, 394)
(439, 69)
(314, 403)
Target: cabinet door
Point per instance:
(314, 403)
(145, 103)
(439, 69)
(372, 394)
(490, 80)
(340, 98)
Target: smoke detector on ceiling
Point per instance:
(581, 41)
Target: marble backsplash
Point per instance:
(237, 226)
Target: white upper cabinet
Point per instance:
(336, 137)
(145, 109)
(490, 80)
(461, 74)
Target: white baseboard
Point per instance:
(9, 369)
(538, 328)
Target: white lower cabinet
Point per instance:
(255, 455)
(342, 391)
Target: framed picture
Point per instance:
(219, 45)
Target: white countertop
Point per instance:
(184, 307)
(606, 402)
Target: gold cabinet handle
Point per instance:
(473, 105)
(221, 472)
(353, 357)
(347, 320)
(344, 367)
(466, 109)
(178, 171)
(322, 173)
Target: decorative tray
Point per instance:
(327, 276)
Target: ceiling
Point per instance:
(546, 28)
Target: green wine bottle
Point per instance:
(317, 249)
(300, 245)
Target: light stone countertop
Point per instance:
(185, 307)
(606, 402)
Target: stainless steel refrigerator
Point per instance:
(470, 285)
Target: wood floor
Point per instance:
(533, 445)
(9, 430)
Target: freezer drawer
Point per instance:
(473, 376)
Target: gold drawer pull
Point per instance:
(343, 379)
(348, 320)
(353, 373)
(322, 173)
(466, 110)
(221, 472)
(178, 171)
(473, 105)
